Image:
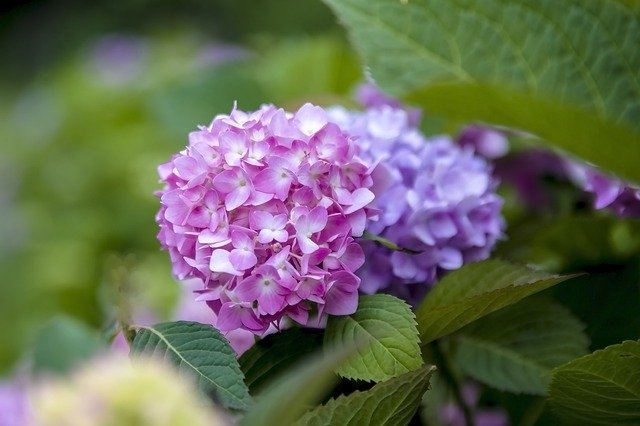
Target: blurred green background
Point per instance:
(93, 96)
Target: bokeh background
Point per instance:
(93, 96)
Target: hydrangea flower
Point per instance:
(116, 390)
(451, 414)
(609, 193)
(263, 208)
(435, 198)
(488, 142)
(14, 407)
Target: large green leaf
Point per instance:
(387, 327)
(516, 348)
(275, 354)
(570, 242)
(600, 389)
(63, 343)
(393, 402)
(475, 291)
(568, 71)
(200, 351)
(301, 387)
(608, 303)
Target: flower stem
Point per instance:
(386, 243)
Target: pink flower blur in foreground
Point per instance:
(263, 207)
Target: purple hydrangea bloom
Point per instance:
(118, 59)
(609, 193)
(488, 142)
(263, 208)
(452, 415)
(14, 409)
(435, 198)
(529, 172)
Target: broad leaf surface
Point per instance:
(571, 242)
(475, 291)
(64, 343)
(387, 328)
(200, 351)
(393, 402)
(568, 71)
(275, 354)
(600, 389)
(516, 348)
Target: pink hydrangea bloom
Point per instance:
(263, 207)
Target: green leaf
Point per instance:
(301, 387)
(63, 343)
(571, 242)
(476, 290)
(599, 389)
(568, 71)
(393, 402)
(608, 303)
(387, 327)
(308, 67)
(275, 354)
(201, 351)
(516, 348)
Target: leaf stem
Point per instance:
(387, 243)
(447, 374)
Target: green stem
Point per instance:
(386, 243)
(447, 374)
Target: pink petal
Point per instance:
(242, 259)
(360, 198)
(258, 198)
(353, 257)
(281, 235)
(339, 302)
(270, 302)
(310, 119)
(226, 181)
(177, 214)
(260, 220)
(358, 221)
(274, 181)
(220, 262)
(217, 238)
(237, 197)
(248, 290)
(306, 245)
(200, 217)
(317, 219)
(229, 317)
(241, 240)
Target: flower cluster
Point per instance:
(263, 207)
(436, 199)
(609, 193)
(115, 390)
(14, 407)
